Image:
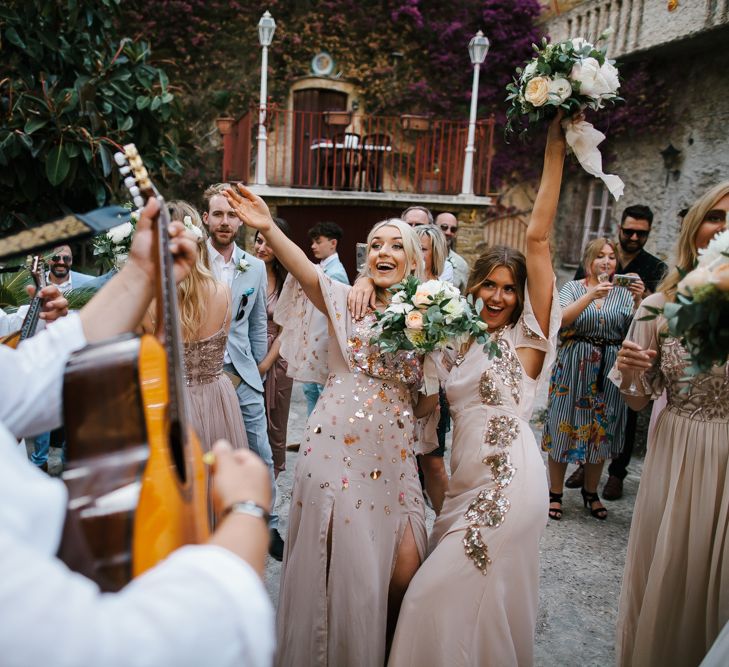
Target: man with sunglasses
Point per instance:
(633, 232)
(448, 224)
(247, 340)
(60, 273)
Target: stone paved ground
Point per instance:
(581, 566)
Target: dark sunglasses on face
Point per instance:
(445, 228)
(66, 259)
(641, 234)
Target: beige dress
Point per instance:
(212, 401)
(675, 595)
(355, 490)
(474, 600)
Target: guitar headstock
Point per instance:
(136, 177)
(37, 269)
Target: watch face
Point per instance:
(322, 64)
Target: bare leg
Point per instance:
(557, 472)
(406, 564)
(436, 479)
(593, 471)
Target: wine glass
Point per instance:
(632, 390)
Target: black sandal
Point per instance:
(590, 498)
(555, 513)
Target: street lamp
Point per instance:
(478, 47)
(266, 28)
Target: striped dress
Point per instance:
(585, 414)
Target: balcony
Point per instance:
(339, 154)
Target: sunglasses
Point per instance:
(641, 234)
(66, 259)
(445, 228)
(241, 308)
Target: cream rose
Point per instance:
(399, 307)
(560, 88)
(529, 70)
(422, 298)
(414, 320)
(591, 78)
(537, 91)
(610, 74)
(720, 277)
(119, 233)
(453, 310)
(699, 277)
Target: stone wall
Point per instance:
(700, 115)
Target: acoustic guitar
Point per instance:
(135, 477)
(37, 269)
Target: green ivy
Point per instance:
(71, 91)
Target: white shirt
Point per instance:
(10, 322)
(447, 274)
(202, 606)
(222, 270)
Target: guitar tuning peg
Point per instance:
(134, 191)
(130, 149)
(126, 169)
(130, 182)
(120, 159)
(139, 203)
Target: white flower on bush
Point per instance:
(399, 308)
(196, 231)
(594, 81)
(560, 88)
(537, 91)
(117, 235)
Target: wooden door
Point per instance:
(308, 126)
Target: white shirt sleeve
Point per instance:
(33, 376)
(447, 274)
(10, 322)
(201, 606)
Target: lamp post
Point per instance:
(266, 28)
(478, 47)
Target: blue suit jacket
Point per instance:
(247, 342)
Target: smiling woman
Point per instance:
(357, 512)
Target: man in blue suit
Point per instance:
(247, 343)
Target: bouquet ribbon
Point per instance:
(584, 139)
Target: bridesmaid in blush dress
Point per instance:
(474, 600)
(277, 385)
(356, 523)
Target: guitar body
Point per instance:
(136, 490)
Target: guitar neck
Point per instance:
(30, 322)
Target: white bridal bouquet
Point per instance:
(572, 75)
(429, 316)
(700, 314)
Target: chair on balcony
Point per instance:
(342, 165)
(372, 158)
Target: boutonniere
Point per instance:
(243, 266)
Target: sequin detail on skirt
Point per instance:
(501, 431)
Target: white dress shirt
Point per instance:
(222, 270)
(447, 274)
(201, 606)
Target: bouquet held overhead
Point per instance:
(572, 75)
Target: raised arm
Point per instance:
(254, 213)
(540, 274)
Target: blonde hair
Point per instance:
(438, 248)
(191, 292)
(214, 190)
(686, 253)
(593, 249)
(410, 245)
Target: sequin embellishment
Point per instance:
(501, 430)
(489, 390)
(507, 367)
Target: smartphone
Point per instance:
(620, 280)
(361, 256)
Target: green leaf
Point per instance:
(35, 123)
(105, 159)
(127, 124)
(11, 34)
(143, 102)
(57, 165)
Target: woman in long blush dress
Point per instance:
(277, 385)
(356, 523)
(474, 600)
(675, 595)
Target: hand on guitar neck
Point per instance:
(55, 304)
(121, 305)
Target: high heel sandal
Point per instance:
(555, 513)
(589, 498)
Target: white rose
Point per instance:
(699, 277)
(399, 297)
(588, 74)
(537, 91)
(717, 246)
(610, 74)
(399, 307)
(120, 232)
(453, 309)
(560, 88)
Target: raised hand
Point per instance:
(361, 298)
(250, 208)
(55, 304)
(632, 357)
(599, 291)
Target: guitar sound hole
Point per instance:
(177, 445)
